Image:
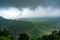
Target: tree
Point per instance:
(12, 37)
(5, 33)
(1, 33)
(45, 37)
(23, 36)
(38, 39)
(52, 37)
(54, 33)
(59, 33)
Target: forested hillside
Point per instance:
(34, 29)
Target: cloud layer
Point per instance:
(29, 8)
(9, 13)
(13, 13)
(41, 12)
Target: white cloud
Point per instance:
(41, 12)
(12, 12)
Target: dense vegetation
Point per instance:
(7, 35)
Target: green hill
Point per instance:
(34, 29)
(43, 28)
(16, 26)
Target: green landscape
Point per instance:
(35, 30)
(29, 19)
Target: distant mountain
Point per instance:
(54, 19)
(1, 18)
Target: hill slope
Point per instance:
(33, 28)
(16, 26)
(44, 28)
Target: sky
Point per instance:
(15, 9)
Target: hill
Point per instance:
(43, 28)
(16, 26)
(35, 27)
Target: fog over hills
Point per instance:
(55, 19)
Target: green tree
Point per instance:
(54, 36)
(38, 39)
(1, 33)
(59, 33)
(45, 37)
(23, 36)
(12, 37)
(6, 33)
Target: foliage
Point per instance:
(53, 36)
(23, 36)
(7, 35)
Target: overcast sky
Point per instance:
(12, 9)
